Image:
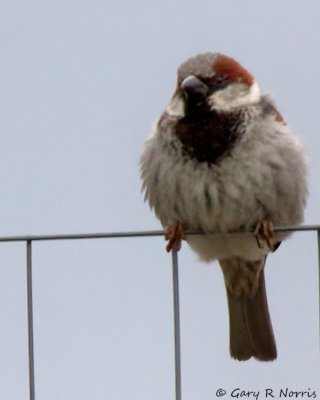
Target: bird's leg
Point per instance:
(264, 235)
(174, 234)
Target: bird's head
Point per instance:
(212, 82)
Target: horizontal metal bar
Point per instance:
(76, 236)
(109, 235)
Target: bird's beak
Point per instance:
(194, 86)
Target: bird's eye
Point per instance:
(218, 82)
(221, 79)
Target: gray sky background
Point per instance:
(81, 84)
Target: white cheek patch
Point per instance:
(254, 93)
(176, 107)
(235, 95)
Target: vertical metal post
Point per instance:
(176, 316)
(30, 320)
(318, 236)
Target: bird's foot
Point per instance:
(264, 235)
(175, 233)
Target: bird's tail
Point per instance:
(251, 333)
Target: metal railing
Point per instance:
(28, 239)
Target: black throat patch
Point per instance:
(210, 137)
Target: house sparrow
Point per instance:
(222, 160)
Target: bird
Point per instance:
(221, 160)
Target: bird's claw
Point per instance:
(175, 233)
(264, 235)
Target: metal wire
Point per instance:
(30, 320)
(318, 237)
(110, 235)
(28, 239)
(176, 317)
